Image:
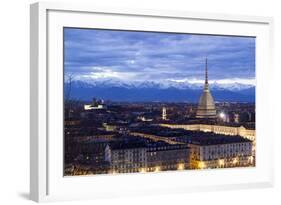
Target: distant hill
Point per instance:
(151, 91)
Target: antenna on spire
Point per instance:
(206, 71)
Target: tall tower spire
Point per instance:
(206, 71)
(206, 87)
(206, 106)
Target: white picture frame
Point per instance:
(46, 179)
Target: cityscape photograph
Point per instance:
(145, 101)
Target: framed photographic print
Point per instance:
(127, 102)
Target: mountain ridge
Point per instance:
(153, 91)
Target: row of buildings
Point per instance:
(156, 148)
(227, 130)
(147, 157)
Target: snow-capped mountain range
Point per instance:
(168, 91)
(162, 85)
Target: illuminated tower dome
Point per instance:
(206, 107)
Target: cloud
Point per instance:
(140, 56)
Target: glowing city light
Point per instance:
(222, 115)
(181, 166)
(221, 162)
(87, 107)
(157, 169)
(113, 172)
(201, 165)
(142, 170)
(251, 159)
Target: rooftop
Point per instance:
(159, 145)
(210, 122)
(212, 139)
(127, 145)
(191, 137)
(134, 142)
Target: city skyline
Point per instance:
(134, 102)
(127, 56)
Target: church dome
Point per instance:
(206, 106)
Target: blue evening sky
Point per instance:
(92, 55)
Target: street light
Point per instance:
(222, 115)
